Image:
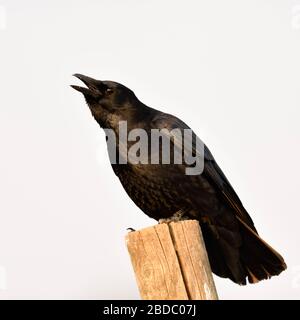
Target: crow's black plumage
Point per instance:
(160, 190)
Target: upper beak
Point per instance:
(93, 85)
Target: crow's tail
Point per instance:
(253, 260)
(259, 259)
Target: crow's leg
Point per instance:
(177, 216)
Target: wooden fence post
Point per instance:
(170, 262)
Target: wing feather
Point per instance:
(212, 171)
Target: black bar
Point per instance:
(131, 309)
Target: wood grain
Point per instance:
(170, 262)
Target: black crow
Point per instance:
(165, 191)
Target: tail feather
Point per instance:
(259, 258)
(248, 259)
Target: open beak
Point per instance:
(93, 87)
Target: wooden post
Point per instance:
(170, 262)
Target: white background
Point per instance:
(230, 69)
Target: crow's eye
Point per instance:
(108, 91)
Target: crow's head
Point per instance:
(109, 102)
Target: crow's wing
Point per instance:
(212, 171)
